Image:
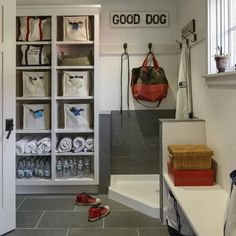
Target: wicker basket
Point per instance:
(190, 157)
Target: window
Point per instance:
(221, 31)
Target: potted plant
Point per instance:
(221, 60)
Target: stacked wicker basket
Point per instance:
(190, 165)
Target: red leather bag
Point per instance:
(149, 83)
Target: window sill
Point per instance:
(225, 78)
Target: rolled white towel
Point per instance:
(65, 145)
(20, 144)
(78, 144)
(89, 144)
(31, 147)
(44, 145)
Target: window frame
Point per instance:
(220, 31)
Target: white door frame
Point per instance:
(7, 103)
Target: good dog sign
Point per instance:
(139, 19)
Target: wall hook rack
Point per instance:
(125, 45)
(150, 47)
(180, 44)
(186, 39)
(194, 36)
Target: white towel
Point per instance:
(20, 144)
(65, 145)
(44, 145)
(89, 145)
(184, 96)
(31, 146)
(78, 144)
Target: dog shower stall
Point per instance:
(140, 192)
(135, 160)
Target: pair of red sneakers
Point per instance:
(96, 211)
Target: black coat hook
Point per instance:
(194, 36)
(150, 47)
(125, 45)
(180, 44)
(187, 40)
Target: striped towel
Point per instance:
(20, 144)
(65, 145)
(78, 144)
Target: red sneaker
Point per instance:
(83, 199)
(97, 212)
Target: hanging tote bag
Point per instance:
(36, 116)
(177, 223)
(35, 55)
(149, 83)
(76, 83)
(35, 83)
(230, 222)
(34, 29)
(77, 116)
(76, 28)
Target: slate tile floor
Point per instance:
(58, 216)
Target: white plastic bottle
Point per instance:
(36, 168)
(59, 169)
(28, 170)
(75, 168)
(71, 167)
(86, 168)
(80, 169)
(65, 169)
(47, 170)
(41, 169)
(20, 169)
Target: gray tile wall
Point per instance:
(134, 141)
(104, 153)
(128, 143)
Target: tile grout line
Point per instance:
(138, 231)
(39, 220)
(21, 203)
(68, 232)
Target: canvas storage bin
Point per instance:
(75, 60)
(76, 83)
(35, 55)
(190, 157)
(34, 29)
(76, 28)
(36, 116)
(77, 116)
(35, 83)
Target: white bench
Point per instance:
(204, 207)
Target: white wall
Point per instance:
(215, 105)
(137, 38)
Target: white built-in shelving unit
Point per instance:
(55, 98)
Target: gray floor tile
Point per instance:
(38, 232)
(27, 219)
(19, 200)
(162, 231)
(47, 203)
(103, 232)
(67, 220)
(130, 219)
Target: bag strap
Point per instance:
(123, 56)
(40, 29)
(27, 28)
(154, 61)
